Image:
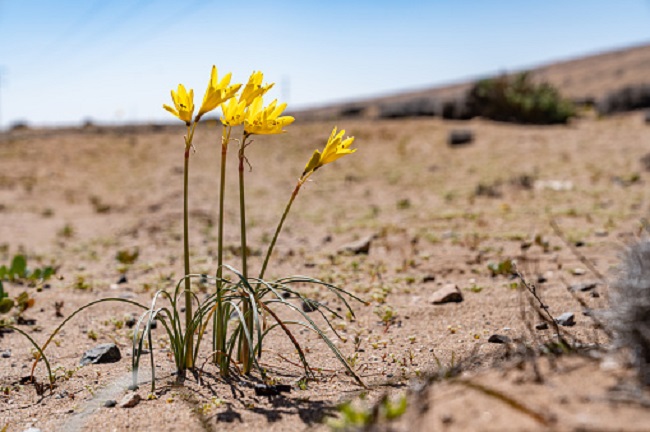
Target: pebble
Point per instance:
(447, 294)
(309, 306)
(110, 403)
(578, 271)
(567, 319)
(271, 390)
(583, 287)
(499, 339)
(542, 326)
(32, 429)
(130, 400)
(359, 247)
(104, 353)
(459, 137)
(122, 279)
(6, 354)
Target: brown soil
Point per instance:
(439, 215)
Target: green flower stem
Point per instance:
(294, 194)
(189, 337)
(245, 349)
(219, 326)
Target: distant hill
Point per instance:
(612, 81)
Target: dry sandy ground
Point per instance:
(439, 215)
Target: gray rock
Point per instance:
(583, 287)
(429, 278)
(460, 137)
(130, 400)
(104, 353)
(110, 403)
(567, 319)
(309, 306)
(359, 247)
(6, 354)
(499, 339)
(542, 326)
(447, 294)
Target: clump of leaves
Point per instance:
(504, 268)
(126, 256)
(6, 304)
(18, 271)
(387, 315)
(518, 99)
(355, 417)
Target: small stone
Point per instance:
(133, 387)
(499, 339)
(582, 287)
(447, 294)
(309, 306)
(122, 279)
(460, 137)
(601, 233)
(429, 278)
(578, 271)
(359, 247)
(6, 354)
(130, 400)
(542, 326)
(110, 403)
(567, 319)
(130, 321)
(271, 390)
(32, 429)
(104, 353)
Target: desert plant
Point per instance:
(18, 271)
(518, 99)
(252, 300)
(629, 312)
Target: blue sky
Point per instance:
(62, 62)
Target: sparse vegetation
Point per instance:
(518, 99)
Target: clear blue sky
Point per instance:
(116, 60)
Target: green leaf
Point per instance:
(47, 272)
(6, 304)
(18, 266)
(394, 410)
(3, 272)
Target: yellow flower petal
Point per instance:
(335, 149)
(217, 92)
(265, 121)
(183, 104)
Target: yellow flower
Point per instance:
(217, 92)
(336, 148)
(233, 112)
(265, 121)
(183, 103)
(254, 88)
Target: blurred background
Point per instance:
(67, 63)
